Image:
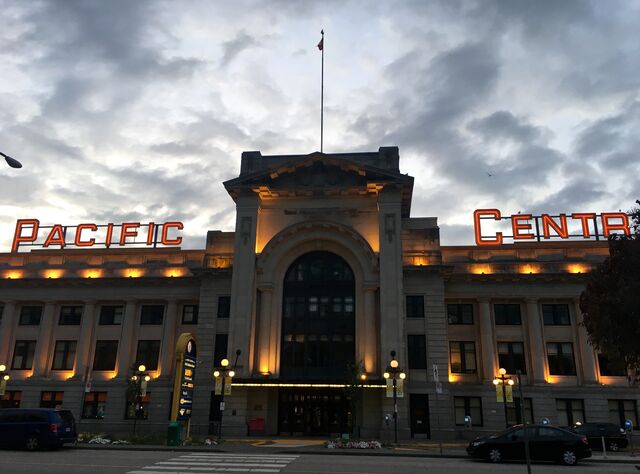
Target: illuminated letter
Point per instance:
(53, 239)
(607, 227)
(150, 233)
(18, 237)
(477, 215)
(517, 226)
(125, 232)
(107, 238)
(561, 229)
(85, 243)
(165, 230)
(584, 217)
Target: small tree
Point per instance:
(611, 302)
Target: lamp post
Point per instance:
(504, 379)
(11, 161)
(394, 372)
(223, 372)
(4, 378)
(140, 380)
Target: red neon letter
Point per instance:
(55, 237)
(165, 230)
(477, 215)
(18, 237)
(561, 229)
(584, 217)
(125, 232)
(150, 233)
(607, 227)
(85, 243)
(518, 226)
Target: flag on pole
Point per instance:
(321, 43)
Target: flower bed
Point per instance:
(340, 444)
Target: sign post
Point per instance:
(182, 402)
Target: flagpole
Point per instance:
(322, 96)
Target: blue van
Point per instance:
(35, 428)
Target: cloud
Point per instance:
(232, 48)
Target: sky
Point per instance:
(138, 110)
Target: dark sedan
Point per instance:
(546, 443)
(615, 438)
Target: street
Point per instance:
(166, 462)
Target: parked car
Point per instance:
(546, 443)
(615, 438)
(35, 428)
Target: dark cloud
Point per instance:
(232, 48)
(504, 125)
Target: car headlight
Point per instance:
(475, 444)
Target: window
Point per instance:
(70, 315)
(220, 348)
(415, 306)
(556, 315)
(30, 315)
(570, 411)
(224, 306)
(190, 314)
(514, 411)
(111, 315)
(64, 355)
(105, 356)
(11, 399)
(23, 355)
(417, 349)
(94, 405)
(560, 355)
(468, 406)
(460, 313)
(148, 353)
(151, 314)
(609, 368)
(507, 314)
(51, 399)
(621, 410)
(463, 357)
(137, 410)
(511, 357)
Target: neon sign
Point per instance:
(28, 234)
(527, 227)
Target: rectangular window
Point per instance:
(514, 411)
(23, 355)
(609, 368)
(111, 315)
(190, 314)
(570, 411)
(70, 315)
(151, 314)
(511, 357)
(463, 357)
(64, 355)
(138, 409)
(147, 354)
(622, 410)
(11, 399)
(94, 405)
(468, 406)
(30, 315)
(556, 315)
(105, 356)
(220, 348)
(224, 306)
(560, 356)
(51, 399)
(507, 314)
(415, 306)
(417, 351)
(460, 313)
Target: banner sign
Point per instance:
(186, 353)
(29, 233)
(399, 388)
(527, 227)
(508, 392)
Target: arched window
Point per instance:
(318, 321)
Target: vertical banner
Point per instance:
(143, 388)
(227, 385)
(389, 390)
(509, 393)
(3, 387)
(218, 386)
(400, 388)
(499, 397)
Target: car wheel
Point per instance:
(613, 446)
(32, 443)
(495, 455)
(569, 458)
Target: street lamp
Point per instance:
(140, 379)
(225, 371)
(11, 161)
(505, 380)
(394, 372)
(4, 378)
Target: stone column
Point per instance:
(587, 355)
(169, 339)
(487, 340)
(126, 339)
(264, 330)
(43, 346)
(537, 348)
(83, 348)
(7, 327)
(367, 332)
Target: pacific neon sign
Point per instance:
(28, 234)
(527, 227)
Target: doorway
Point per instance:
(313, 412)
(419, 414)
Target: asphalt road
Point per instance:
(72, 461)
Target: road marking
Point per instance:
(218, 462)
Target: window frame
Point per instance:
(621, 411)
(145, 360)
(56, 396)
(103, 319)
(506, 318)
(149, 318)
(98, 400)
(417, 354)
(29, 354)
(30, 322)
(195, 309)
(466, 406)
(414, 306)
(511, 357)
(462, 350)
(459, 314)
(223, 307)
(130, 408)
(68, 355)
(72, 319)
(554, 368)
(11, 399)
(570, 411)
(554, 318)
(109, 350)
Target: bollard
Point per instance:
(604, 448)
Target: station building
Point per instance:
(325, 275)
